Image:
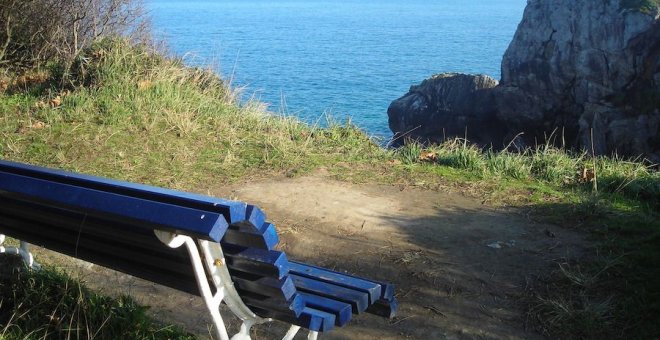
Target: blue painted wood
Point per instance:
(319, 321)
(232, 211)
(387, 291)
(257, 261)
(267, 286)
(145, 253)
(172, 269)
(117, 234)
(358, 300)
(336, 278)
(152, 214)
(246, 235)
(341, 310)
(256, 217)
(292, 307)
(310, 318)
(384, 308)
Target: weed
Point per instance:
(50, 304)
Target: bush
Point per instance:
(34, 32)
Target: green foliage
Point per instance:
(617, 293)
(37, 32)
(410, 153)
(545, 164)
(129, 113)
(136, 115)
(48, 304)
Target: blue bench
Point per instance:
(229, 254)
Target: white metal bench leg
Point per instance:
(293, 330)
(23, 250)
(211, 261)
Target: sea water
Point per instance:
(338, 58)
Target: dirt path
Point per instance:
(459, 266)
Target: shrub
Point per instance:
(33, 32)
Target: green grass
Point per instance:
(143, 118)
(129, 113)
(48, 304)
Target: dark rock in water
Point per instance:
(586, 71)
(443, 106)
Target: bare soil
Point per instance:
(460, 266)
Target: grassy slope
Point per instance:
(134, 115)
(146, 119)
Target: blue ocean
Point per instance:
(345, 59)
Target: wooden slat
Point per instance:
(387, 291)
(341, 310)
(247, 236)
(146, 254)
(384, 308)
(162, 274)
(151, 214)
(77, 222)
(268, 286)
(336, 278)
(309, 318)
(231, 210)
(256, 217)
(292, 307)
(358, 300)
(257, 261)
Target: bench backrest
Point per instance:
(111, 223)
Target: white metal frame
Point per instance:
(23, 250)
(210, 263)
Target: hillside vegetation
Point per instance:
(126, 111)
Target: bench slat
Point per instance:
(77, 222)
(267, 286)
(342, 311)
(232, 211)
(336, 278)
(384, 308)
(293, 307)
(246, 236)
(145, 254)
(78, 229)
(257, 261)
(358, 300)
(151, 214)
(309, 318)
(148, 271)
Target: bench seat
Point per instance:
(123, 226)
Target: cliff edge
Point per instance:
(583, 71)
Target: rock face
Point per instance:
(443, 105)
(578, 68)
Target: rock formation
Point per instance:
(444, 105)
(588, 70)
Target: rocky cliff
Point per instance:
(579, 68)
(448, 104)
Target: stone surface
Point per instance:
(575, 68)
(447, 104)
